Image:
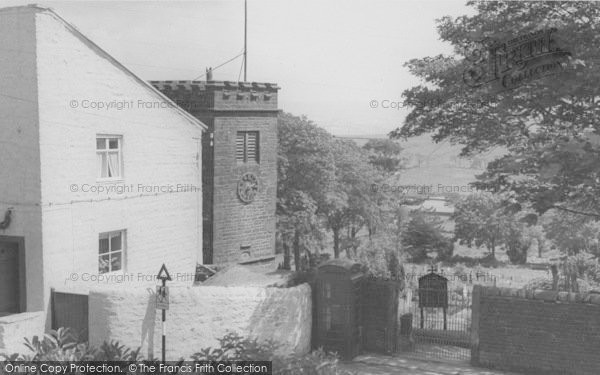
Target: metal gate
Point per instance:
(380, 315)
(441, 320)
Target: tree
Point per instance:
(305, 175)
(422, 235)
(479, 220)
(384, 154)
(351, 204)
(572, 233)
(549, 125)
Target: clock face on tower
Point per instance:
(247, 187)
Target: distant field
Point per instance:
(436, 165)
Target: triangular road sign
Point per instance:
(163, 274)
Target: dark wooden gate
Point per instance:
(380, 315)
(70, 310)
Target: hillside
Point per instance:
(437, 165)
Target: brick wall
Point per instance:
(226, 108)
(543, 332)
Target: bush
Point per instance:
(381, 257)
(233, 347)
(63, 344)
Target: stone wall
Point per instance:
(540, 331)
(198, 316)
(16, 327)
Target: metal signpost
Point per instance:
(162, 301)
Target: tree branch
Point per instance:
(590, 214)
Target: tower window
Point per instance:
(246, 146)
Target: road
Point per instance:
(385, 365)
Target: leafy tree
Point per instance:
(305, 175)
(484, 219)
(384, 154)
(572, 233)
(352, 204)
(422, 235)
(517, 240)
(479, 220)
(548, 126)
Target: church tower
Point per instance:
(239, 165)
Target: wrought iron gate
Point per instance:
(441, 320)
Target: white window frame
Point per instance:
(123, 250)
(107, 151)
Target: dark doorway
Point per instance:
(11, 276)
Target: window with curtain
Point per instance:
(246, 146)
(111, 250)
(108, 151)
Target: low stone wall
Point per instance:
(537, 332)
(198, 316)
(16, 327)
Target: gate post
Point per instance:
(475, 319)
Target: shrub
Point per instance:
(233, 347)
(381, 257)
(63, 344)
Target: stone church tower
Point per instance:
(239, 165)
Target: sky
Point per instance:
(339, 62)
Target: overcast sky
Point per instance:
(330, 57)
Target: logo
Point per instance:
(510, 64)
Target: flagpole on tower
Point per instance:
(245, 38)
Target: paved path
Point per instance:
(373, 364)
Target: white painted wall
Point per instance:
(15, 328)
(198, 316)
(47, 145)
(160, 148)
(19, 143)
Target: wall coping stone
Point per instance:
(13, 318)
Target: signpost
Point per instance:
(162, 301)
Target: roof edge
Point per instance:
(79, 34)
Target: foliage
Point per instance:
(380, 257)
(572, 233)
(233, 347)
(581, 266)
(384, 154)
(63, 344)
(483, 219)
(305, 175)
(479, 221)
(324, 184)
(517, 240)
(352, 204)
(423, 235)
(548, 126)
